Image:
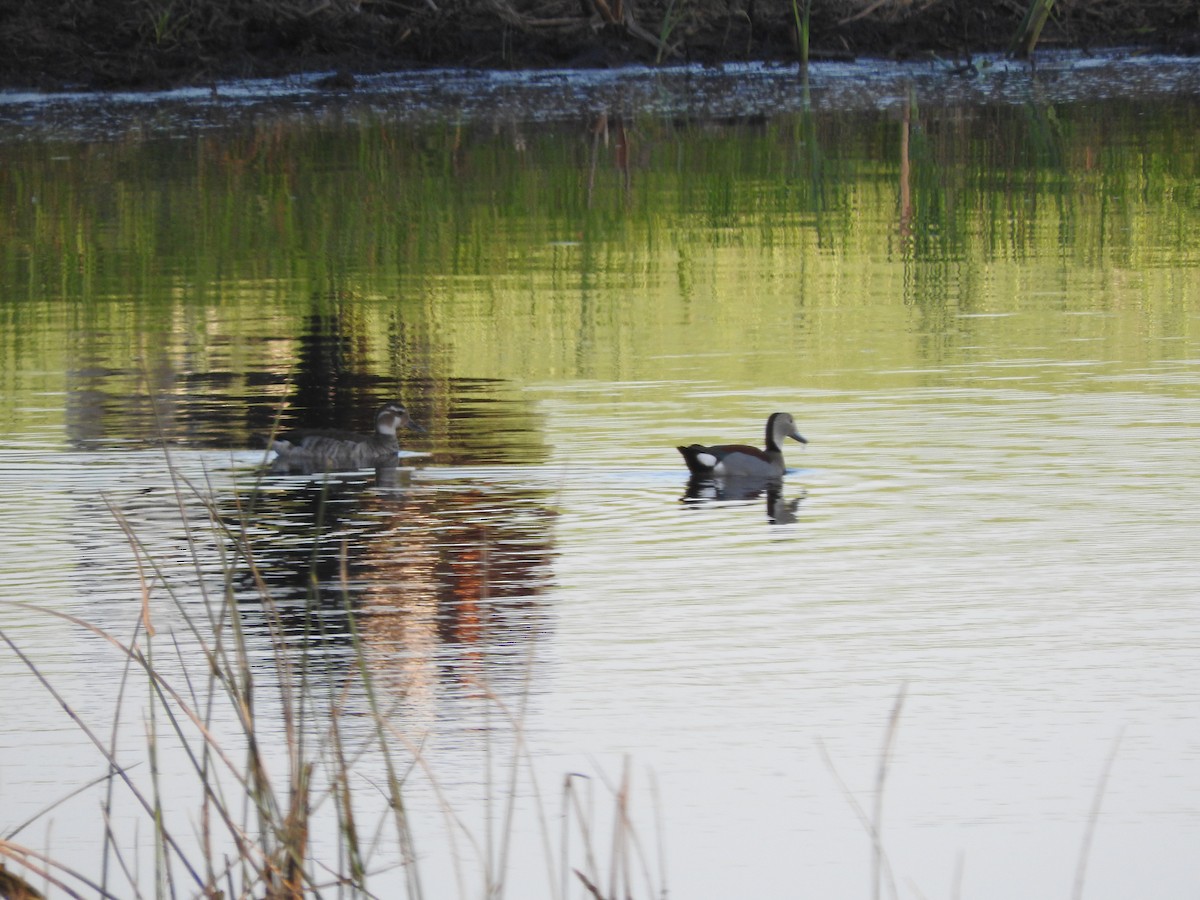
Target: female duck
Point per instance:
(742, 460)
(338, 451)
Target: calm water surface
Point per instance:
(984, 313)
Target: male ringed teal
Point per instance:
(331, 451)
(742, 460)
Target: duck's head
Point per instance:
(781, 425)
(393, 416)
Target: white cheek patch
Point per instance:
(706, 459)
(386, 425)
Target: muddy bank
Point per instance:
(153, 43)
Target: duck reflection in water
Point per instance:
(702, 490)
(741, 472)
(308, 452)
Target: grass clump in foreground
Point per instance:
(282, 760)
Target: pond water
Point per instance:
(976, 583)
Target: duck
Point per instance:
(330, 450)
(742, 460)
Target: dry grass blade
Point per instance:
(591, 888)
(342, 797)
(247, 848)
(87, 731)
(1093, 819)
(137, 557)
(876, 843)
(83, 788)
(873, 823)
(885, 755)
(13, 887)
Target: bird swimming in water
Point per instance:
(338, 451)
(742, 460)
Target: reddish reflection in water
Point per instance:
(445, 582)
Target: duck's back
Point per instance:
(337, 450)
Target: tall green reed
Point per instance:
(802, 15)
(1030, 30)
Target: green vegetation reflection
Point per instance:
(533, 254)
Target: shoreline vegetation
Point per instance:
(160, 43)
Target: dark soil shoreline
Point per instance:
(159, 43)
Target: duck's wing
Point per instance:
(726, 449)
(720, 451)
(703, 459)
(309, 436)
